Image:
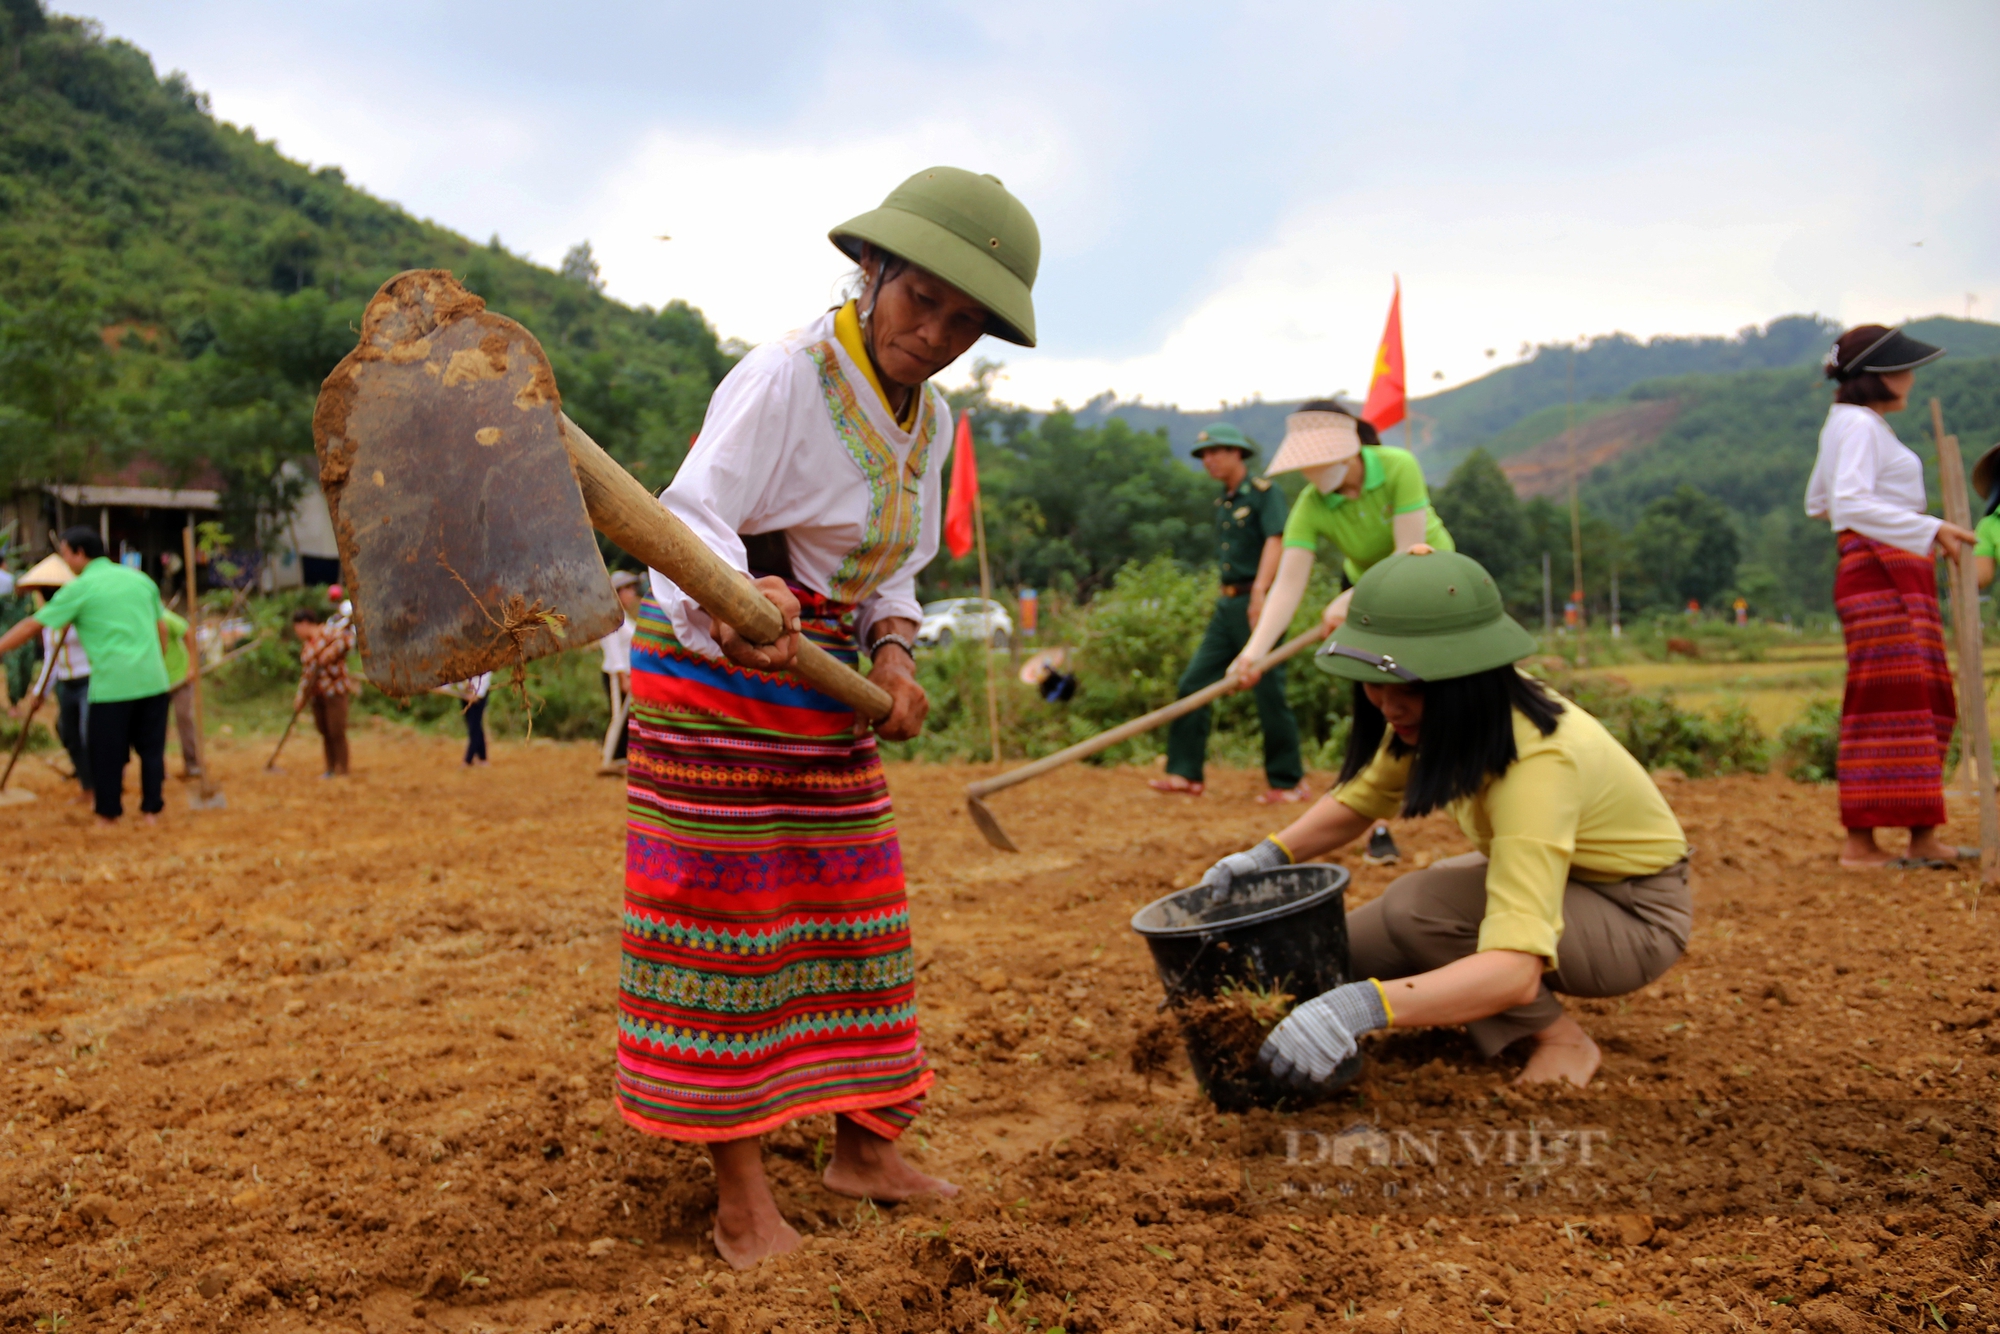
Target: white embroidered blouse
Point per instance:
(1867, 480)
(798, 439)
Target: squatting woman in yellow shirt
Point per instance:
(1579, 884)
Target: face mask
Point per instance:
(1328, 479)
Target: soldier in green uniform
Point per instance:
(1249, 531)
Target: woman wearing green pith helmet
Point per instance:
(767, 972)
(1579, 884)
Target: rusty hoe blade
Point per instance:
(988, 825)
(462, 531)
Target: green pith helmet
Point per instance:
(966, 229)
(1223, 436)
(1424, 617)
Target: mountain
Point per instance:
(173, 288)
(1518, 407)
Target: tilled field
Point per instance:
(339, 1057)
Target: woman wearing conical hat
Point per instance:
(1579, 883)
(767, 969)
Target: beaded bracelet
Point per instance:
(899, 641)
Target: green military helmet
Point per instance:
(1424, 616)
(966, 229)
(1223, 436)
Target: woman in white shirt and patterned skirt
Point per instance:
(1898, 712)
(767, 969)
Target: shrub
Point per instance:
(1662, 735)
(1811, 746)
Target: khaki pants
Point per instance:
(1616, 938)
(330, 717)
(182, 696)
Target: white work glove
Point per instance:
(1266, 856)
(1320, 1034)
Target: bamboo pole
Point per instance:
(985, 604)
(1974, 734)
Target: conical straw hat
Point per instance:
(51, 572)
(1315, 439)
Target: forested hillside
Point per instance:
(171, 287)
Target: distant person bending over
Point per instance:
(1579, 884)
(324, 682)
(472, 695)
(1369, 501)
(180, 648)
(117, 613)
(1898, 711)
(1249, 520)
(617, 650)
(66, 675)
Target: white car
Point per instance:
(962, 618)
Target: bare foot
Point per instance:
(1175, 783)
(867, 1167)
(1931, 848)
(748, 1226)
(1861, 853)
(1562, 1051)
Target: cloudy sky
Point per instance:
(1225, 192)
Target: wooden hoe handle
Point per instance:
(1144, 723)
(624, 511)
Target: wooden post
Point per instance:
(985, 599)
(1974, 735)
(191, 582)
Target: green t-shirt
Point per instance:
(1245, 519)
(116, 613)
(1986, 537)
(177, 648)
(1392, 483)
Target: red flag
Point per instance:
(1386, 402)
(964, 490)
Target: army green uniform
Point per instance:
(1244, 519)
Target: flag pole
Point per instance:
(986, 646)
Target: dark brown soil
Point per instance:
(339, 1057)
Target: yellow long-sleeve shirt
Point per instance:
(1575, 800)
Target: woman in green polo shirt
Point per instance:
(1986, 536)
(1367, 498)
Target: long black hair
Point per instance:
(1466, 736)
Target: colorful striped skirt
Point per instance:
(767, 972)
(1897, 716)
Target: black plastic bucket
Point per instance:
(1274, 930)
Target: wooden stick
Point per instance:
(985, 605)
(272, 763)
(41, 693)
(629, 515)
(1143, 723)
(1974, 734)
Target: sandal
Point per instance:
(1281, 796)
(1181, 789)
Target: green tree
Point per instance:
(1068, 506)
(1484, 516)
(1685, 546)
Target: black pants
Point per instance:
(118, 729)
(475, 731)
(73, 724)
